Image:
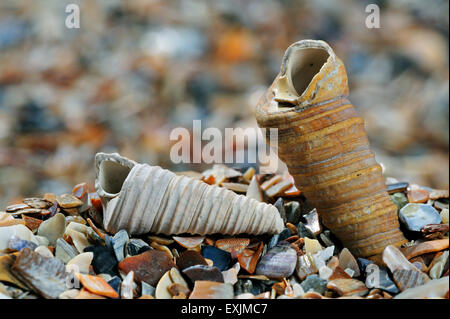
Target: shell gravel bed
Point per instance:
(54, 246)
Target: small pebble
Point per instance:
(221, 259)
(201, 272)
(418, 195)
(149, 266)
(416, 216)
(312, 246)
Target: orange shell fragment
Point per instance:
(97, 285)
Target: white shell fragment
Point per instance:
(432, 289)
(141, 198)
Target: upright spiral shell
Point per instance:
(141, 198)
(325, 146)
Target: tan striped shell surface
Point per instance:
(324, 144)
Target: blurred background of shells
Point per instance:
(137, 69)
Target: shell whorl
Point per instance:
(325, 147)
(156, 200)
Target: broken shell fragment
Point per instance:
(141, 198)
(119, 242)
(126, 288)
(325, 147)
(15, 207)
(17, 244)
(64, 251)
(47, 276)
(20, 231)
(279, 262)
(248, 259)
(211, 290)
(254, 190)
(425, 247)
(6, 275)
(97, 285)
(438, 264)
(201, 272)
(8, 220)
(136, 246)
(39, 203)
(305, 267)
(220, 258)
(346, 260)
(171, 277)
(44, 251)
(394, 259)
(53, 228)
(82, 262)
(178, 291)
(190, 258)
(149, 266)
(409, 278)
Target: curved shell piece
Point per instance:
(325, 146)
(141, 198)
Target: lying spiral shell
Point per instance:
(324, 144)
(141, 198)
